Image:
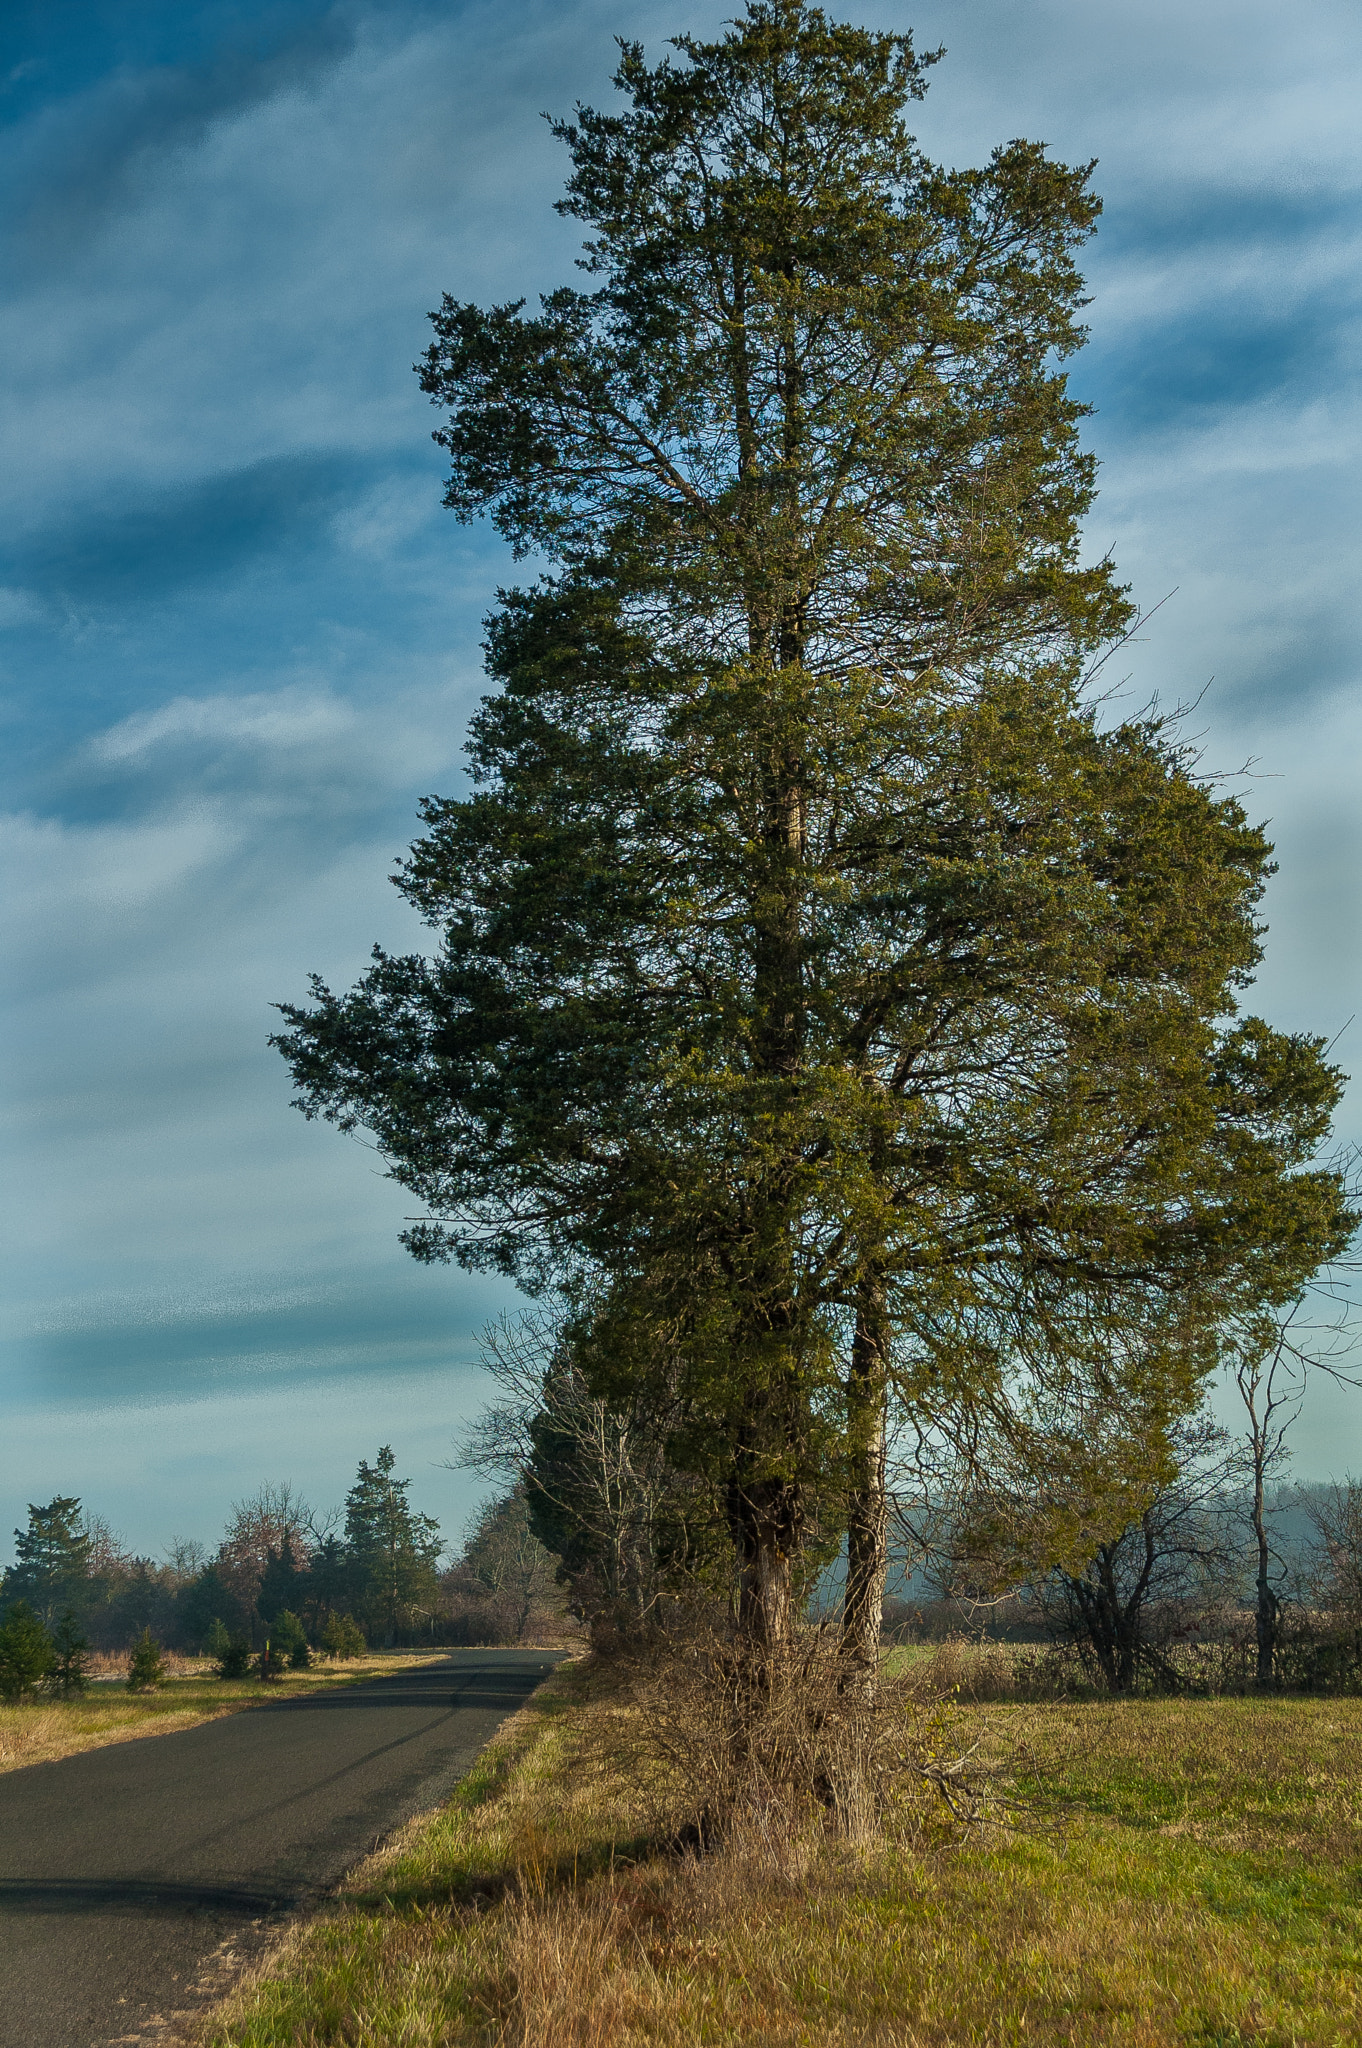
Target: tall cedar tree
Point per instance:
(393, 1551)
(816, 980)
(51, 1569)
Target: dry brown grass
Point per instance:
(1187, 1879)
(111, 1666)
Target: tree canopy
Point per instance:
(391, 1549)
(824, 991)
(51, 1559)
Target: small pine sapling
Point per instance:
(343, 1637)
(147, 1669)
(290, 1641)
(26, 1652)
(216, 1641)
(70, 1672)
(234, 1659)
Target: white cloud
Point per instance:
(280, 721)
(59, 874)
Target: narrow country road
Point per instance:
(123, 1871)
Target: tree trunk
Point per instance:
(867, 1506)
(765, 1520)
(1268, 1607)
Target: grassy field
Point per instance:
(40, 1731)
(1188, 1872)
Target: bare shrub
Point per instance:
(755, 1753)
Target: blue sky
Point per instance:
(239, 638)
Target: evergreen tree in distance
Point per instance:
(146, 1668)
(26, 1653)
(288, 1640)
(281, 1580)
(392, 1550)
(232, 1655)
(209, 1610)
(343, 1637)
(51, 1566)
(69, 1674)
(822, 993)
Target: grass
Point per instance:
(40, 1731)
(1188, 1872)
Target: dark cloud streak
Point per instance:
(129, 552)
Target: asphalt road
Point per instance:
(124, 1872)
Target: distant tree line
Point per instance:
(373, 1568)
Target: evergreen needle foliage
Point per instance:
(147, 1668)
(343, 1637)
(26, 1653)
(826, 999)
(70, 1658)
(51, 1558)
(392, 1549)
(234, 1657)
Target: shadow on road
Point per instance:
(134, 1895)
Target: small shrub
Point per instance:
(147, 1669)
(343, 1637)
(70, 1671)
(26, 1652)
(289, 1643)
(216, 1641)
(234, 1661)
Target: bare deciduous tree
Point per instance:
(1270, 1361)
(506, 1571)
(264, 1522)
(599, 1488)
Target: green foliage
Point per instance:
(147, 1668)
(26, 1652)
(822, 994)
(343, 1636)
(52, 1559)
(818, 373)
(282, 1581)
(70, 1658)
(216, 1640)
(599, 1488)
(392, 1550)
(272, 1660)
(330, 1584)
(288, 1639)
(234, 1658)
